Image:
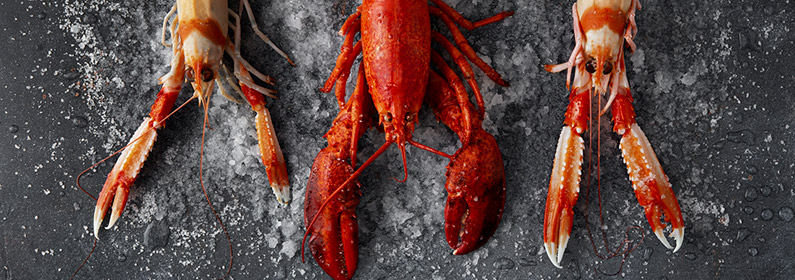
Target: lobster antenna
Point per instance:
(432, 150)
(201, 182)
(337, 191)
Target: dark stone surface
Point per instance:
(713, 87)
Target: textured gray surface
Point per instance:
(713, 91)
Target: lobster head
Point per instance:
(602, 52)
(202, 62)
(603, 24)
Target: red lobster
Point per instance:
(601, 27)
(392, 80)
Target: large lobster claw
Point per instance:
(475, 193)
(335, 235)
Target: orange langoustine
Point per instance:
(601, 28)
(393, 80)
(199, 38)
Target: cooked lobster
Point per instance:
(394, 79)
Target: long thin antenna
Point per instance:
(339, 189)
(201, 181)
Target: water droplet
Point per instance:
(71, 75)
(742, 234)
(79, 121)
(741, 136)
(156, 235)
(767, 214)
(748, 210)
(738, 118)
(751, 194)
(690, 256)
(785, 214)
(90, 18)
(751, 169)
(647, 253)
(503, 263)
(526, 262)
(77, 206)
(13, 128)
(121, 258)
(765, 190)
(41, 15)
(753, 251)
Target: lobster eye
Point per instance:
(408, 117)
(590, 66)
(388, 117)
(207, 75)
(608, 68)
(190, 74)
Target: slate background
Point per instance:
(713, 91)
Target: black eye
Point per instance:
(608, 68)
(590, 66)
(408, 117)
(189, 74)
(388, 117)
(207, 75)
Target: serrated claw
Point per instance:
(679, 236)
(117, 186)
(651, 186)
(564, 187)
(476, 193)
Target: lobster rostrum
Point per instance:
(601, 29)
(199, 39)
(393, 80)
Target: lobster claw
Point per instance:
(335, 235)
(475, 193)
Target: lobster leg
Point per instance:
(334, 237)
(260, 34)
(348, 53)
(564, 184)
(269, 148)
(270, 151)
(458, 18)
(463, 44)
(576, 54)
(650, 183)
(463, 65)
(460, 94)
(475, 176)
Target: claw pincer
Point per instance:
(335, 236)
(475, 175)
